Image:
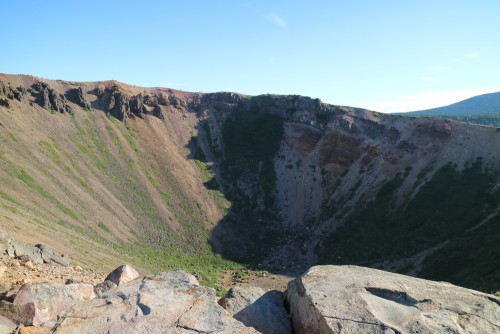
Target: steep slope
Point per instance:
(352, 186)
(99, 171)
(106, 171)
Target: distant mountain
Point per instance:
(481, 104)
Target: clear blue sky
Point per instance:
(383, 55)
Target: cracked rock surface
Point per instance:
(351, 299)
(170, 302)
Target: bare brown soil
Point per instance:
(261, 279)
(17, 272)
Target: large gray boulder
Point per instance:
(257, 308)
(37, 254)
(24, 249)
(46, 301)
(351, 299)
(170, 302)
(49, 256)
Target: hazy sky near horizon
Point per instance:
(388, 56)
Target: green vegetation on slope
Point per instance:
(251, 140)
(451, 202)
(208, 177)
(482, 119)
(197, 259)
(472, 259)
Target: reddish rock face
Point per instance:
(302, 138)
(433, 129)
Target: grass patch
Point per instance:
(68, 212)
(83, 183)
(28, 180)
(103, 227)
(56, 158)
(82, 143)
(8, 198)
(9, 208)
(128, 134)
(64, 223)
(70, 226)
(199, 261)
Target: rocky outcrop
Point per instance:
(257, 308)
(350, 299)
(113, 101)
(9, 92)
(171, 302)
(37, 254)
(78, 96)
(120, 105)
(122, 274)
(49, 256)
(137, 106)
(49, 99)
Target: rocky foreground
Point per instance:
(326, 299)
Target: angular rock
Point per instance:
(23, 249)
(257, 308)
(114, 102)
(122, 274)
(49, 99)
(136, 106)
(49, 300)
(351, 299)
(77, 96)
(4, 289)
(104, 287)
(49, 256)
(8, 292)
(164, 303)
(19, 314)
(6, 325)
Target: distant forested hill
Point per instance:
(482, 109)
